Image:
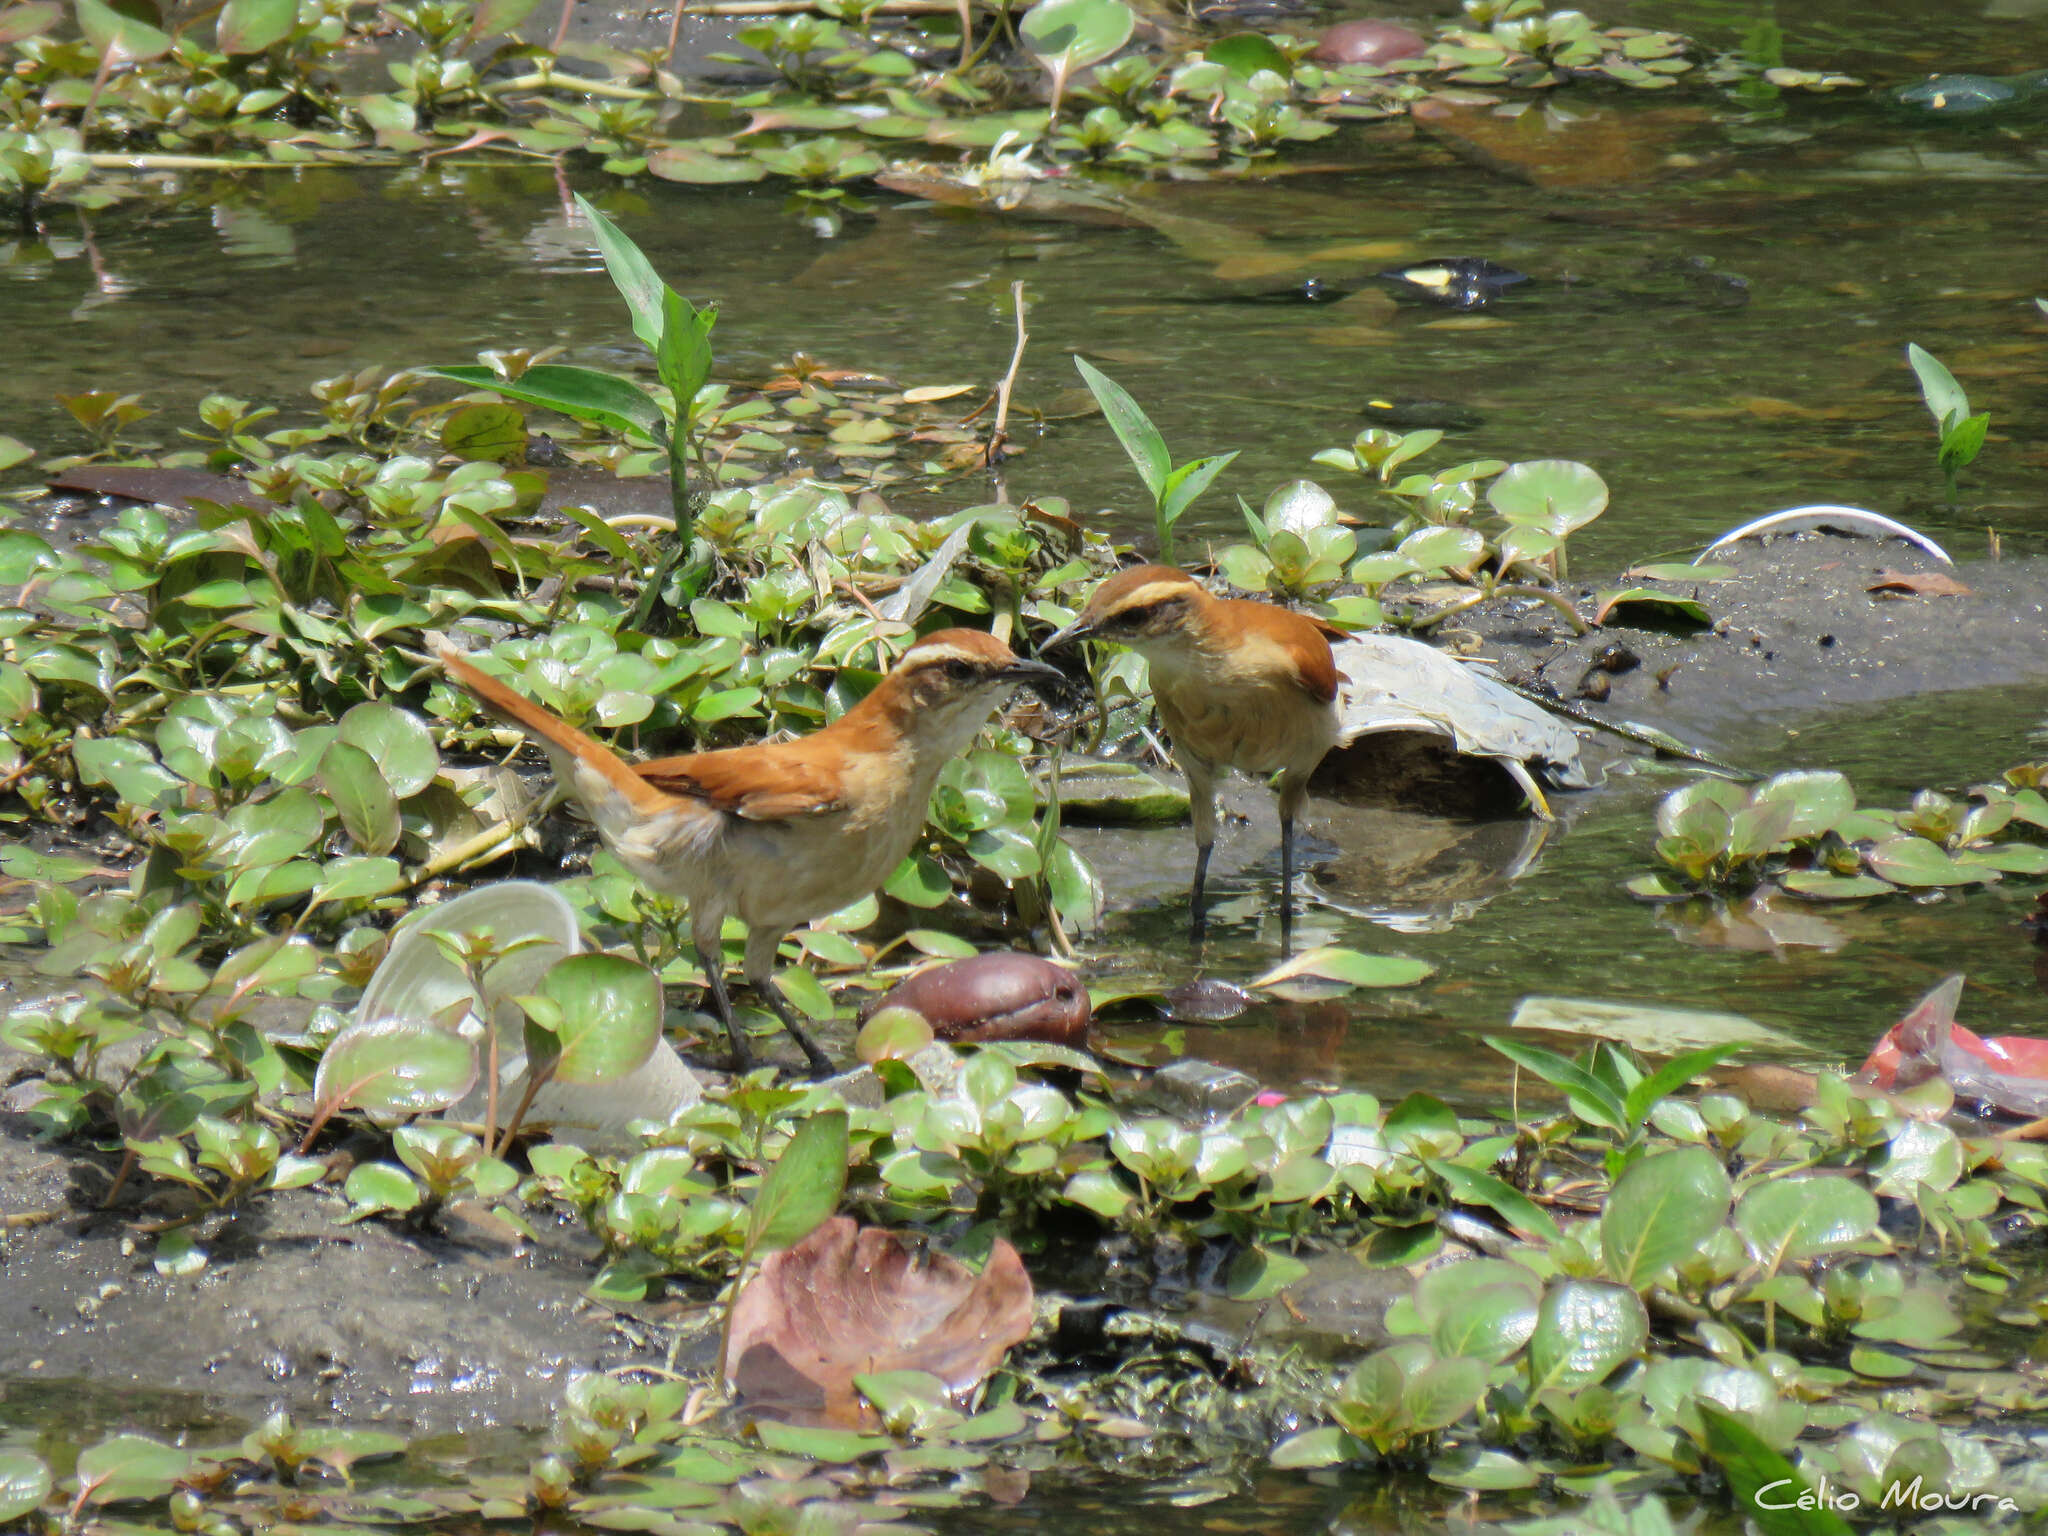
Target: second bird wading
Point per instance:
(1239, 685)
(779, 833)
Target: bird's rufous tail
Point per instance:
(557, 734)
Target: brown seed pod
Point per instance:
(1004, 995)
(1368, 42)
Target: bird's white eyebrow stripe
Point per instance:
(1153, 592)
(922, 654)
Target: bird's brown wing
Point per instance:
(778, 782)
(1300, 638)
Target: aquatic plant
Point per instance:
(1960, 435)
(81, 121)
(1665, 1285)
(1539, 504)
(1804, 834)
(1173, 488)
(673, 329)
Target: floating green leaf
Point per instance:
(124, 1467)
(1918, 863)
(250, 26)
(1557, 496)
(1345, 968)
(24, 1482)
(1661, 1211)
(1244, 54)
(1803, 1217)
(1585, 1329)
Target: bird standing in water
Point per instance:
(779, 833)
(1239, 685)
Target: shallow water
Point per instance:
(1567, 929)
(1855, 231)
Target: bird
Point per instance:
(1239, 684)
(779, 833)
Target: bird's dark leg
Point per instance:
(1202, 808)
(820, 1062)
(713, 961)
(1286, 886)
(761, 947)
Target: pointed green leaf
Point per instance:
(802, 1189)
(1946, 402)
(1768, 1489)
(631, 273)
(1133, 429)
(582, 393)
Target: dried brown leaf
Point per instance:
(849, 1300)
(1918, 584)
(160, 487)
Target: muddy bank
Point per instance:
(1797, 633)
(370, 1322)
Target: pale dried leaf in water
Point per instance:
(1918, 584)
(922, 393)
(851, 1300)
(1207, 1001)
(1769, 1087)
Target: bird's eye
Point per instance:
(960, 671)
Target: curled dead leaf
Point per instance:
(850, 1300)
(1918, 584)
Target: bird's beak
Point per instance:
(1039, 676)
(1080, 629)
